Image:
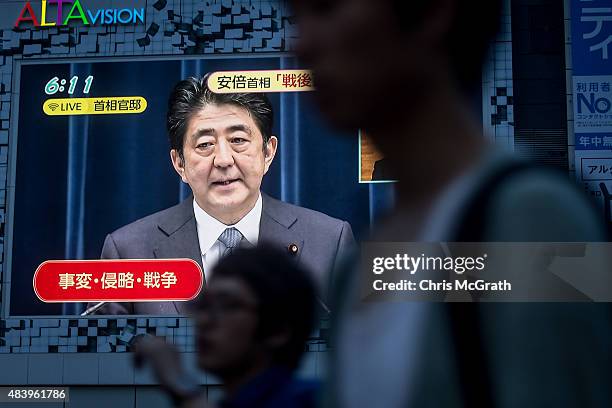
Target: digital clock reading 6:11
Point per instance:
(56, 85)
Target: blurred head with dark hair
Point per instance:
(405, 72)
(372, 58)
(257, 312)
(221, 145)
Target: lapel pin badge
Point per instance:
(293, 249)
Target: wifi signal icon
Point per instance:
(53, 106)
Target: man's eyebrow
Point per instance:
(239, 128)
(203, 132)
(230, 129)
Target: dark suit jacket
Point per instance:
(323, 242)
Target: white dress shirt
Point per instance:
(209, 229)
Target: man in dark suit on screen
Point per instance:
(222, 146)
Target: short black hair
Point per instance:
(474, 27)
(192, 94)
(285, 294)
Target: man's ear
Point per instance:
(178, 163)
(270, 152)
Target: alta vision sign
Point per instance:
(54, 11)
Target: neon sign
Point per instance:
(77, 13)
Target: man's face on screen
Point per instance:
(224, 160)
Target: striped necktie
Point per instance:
(231, 238)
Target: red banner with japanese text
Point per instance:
(118, 280)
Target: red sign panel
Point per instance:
(118, 280)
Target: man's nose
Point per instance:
(223, 155)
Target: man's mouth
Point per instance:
(224, 182)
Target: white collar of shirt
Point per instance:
(209, 228)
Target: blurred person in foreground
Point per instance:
(252, 323)
(404, 71)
